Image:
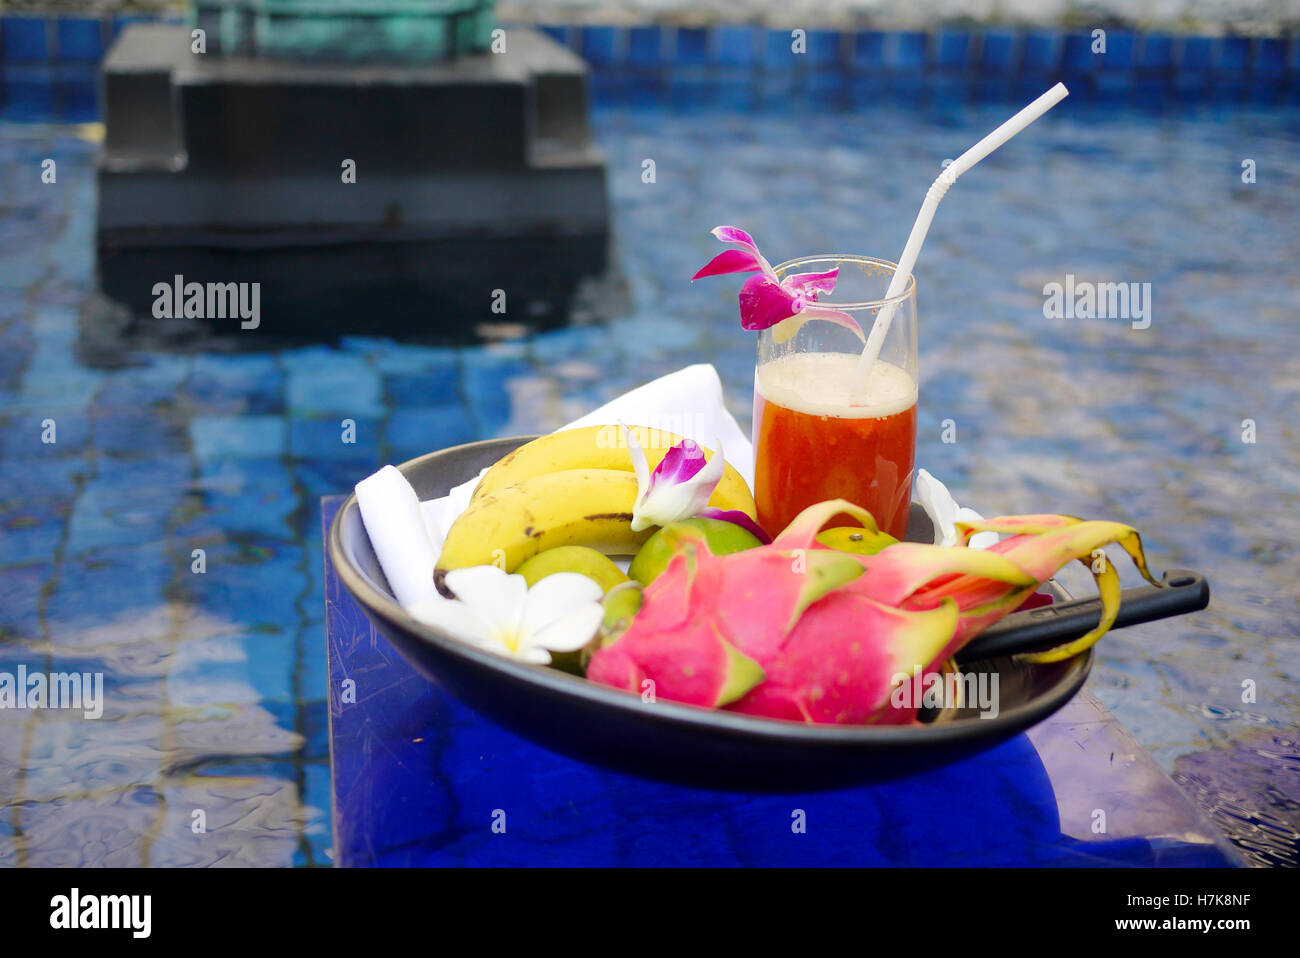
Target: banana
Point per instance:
(587, 507)
(599, 447)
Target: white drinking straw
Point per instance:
(932, 197)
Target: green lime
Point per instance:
(581, 559)
(723, 538)
(621, 603)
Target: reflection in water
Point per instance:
(1252, 790)
(164, 777)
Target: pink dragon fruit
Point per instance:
(794, 630)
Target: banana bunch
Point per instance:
(575, 487)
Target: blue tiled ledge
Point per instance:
(993, 52)
(32, 39)
(47, 64)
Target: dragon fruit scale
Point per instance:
(794, 630)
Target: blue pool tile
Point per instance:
(735, 45)
(644, 46)
(1156, 52)
(315, 693)
(1197, 54)
(24, 38)
(1120, 48)
(1234, 53)
(869, 50)
(824, 47)
(1112, 85)
(779, 51)
(129, 390)
(128, 502)
(560, 344)
(1229, 89)
(600, 45)
(324, 477)
(31, 533)
(20, 602)
(237, 437)
(1269, 58)
(773, 90)
(27, 94)
(249, 383)
(77, 97)
(436, 387)
(999, 53)
(112, 587)
(322, 438)
(412, 432)
(1042, 52)
(909, 90)
(691, 45)
(390, 357)
(1264, 89)
(608, 89)
(255, 584)
(1077, 56)
(240, 497)
(905, 52)
(953, 49)
(80, 38)
(691, 90)
(949, 92)
(22, 434)
(1151, 90)
(487, 377)
(323, 380)
(826, 86)
(40, 481)
(132, 432)
(735, 89)
(993, 89)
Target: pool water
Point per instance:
(214, 663)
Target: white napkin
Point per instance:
(393, 519)
(407, 534)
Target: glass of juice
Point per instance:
(821, 431)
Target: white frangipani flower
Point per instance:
(938, 503)
(680, 486)
(499, 613)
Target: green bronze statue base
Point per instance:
(386, 30)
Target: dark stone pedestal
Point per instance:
(471, 175)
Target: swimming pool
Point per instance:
(215, 678)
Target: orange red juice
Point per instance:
(812, 445)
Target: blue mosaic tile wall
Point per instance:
(49, 64)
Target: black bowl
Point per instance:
(666, 741)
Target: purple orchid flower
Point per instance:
(680, 486)
(766, 300)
